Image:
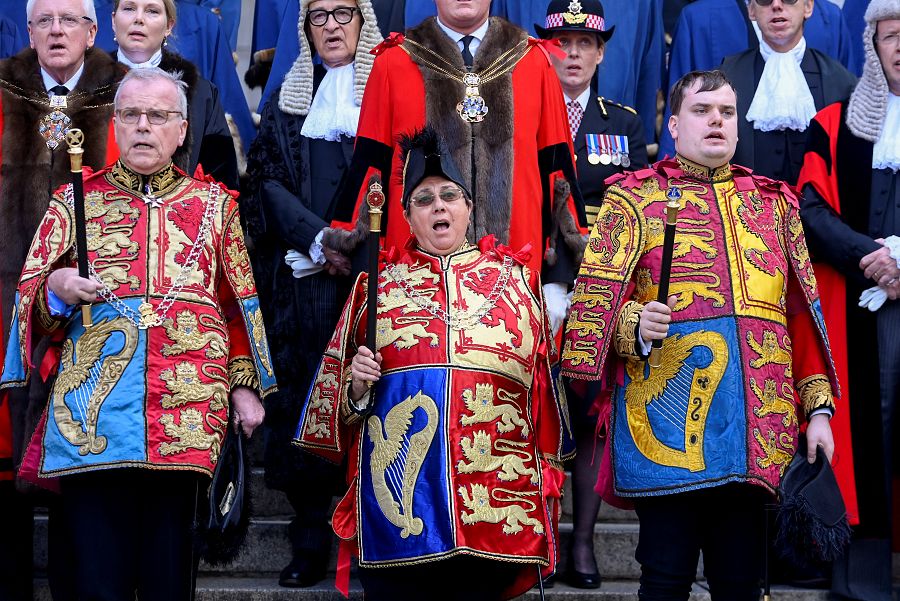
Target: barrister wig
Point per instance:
(867, 108)
(297, 89)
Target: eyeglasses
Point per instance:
(154, 116)
(66, 21)
(342, 15)
(426, 199)
(769, 2)
(891, 39)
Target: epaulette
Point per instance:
(601, 100)
(767, 184)
(395, 39)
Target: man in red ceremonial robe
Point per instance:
(851, 214)
(491, 93)
(61, 82)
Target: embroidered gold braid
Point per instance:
(242, 372)
(626, 330)
(815, 393)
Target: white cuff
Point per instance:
(315, 250)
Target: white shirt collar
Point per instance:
(582, 99)
(457, 37)
(49, 82)
(153, 61)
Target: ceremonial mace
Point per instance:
(75, 138)
(662, 295)
(375, 200)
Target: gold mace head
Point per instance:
(75, 140)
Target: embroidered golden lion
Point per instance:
(479, 451)
(108, 243)
(404, 332)
(774, 404)
(186, 335)
(481, 404)
(316, 428)
(775, 454)
(770, 351)
(113, 273)
(189, 433)
(324, 392)
(185, 385)
(514, 515)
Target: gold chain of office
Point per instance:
(472, 108)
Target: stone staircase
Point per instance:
(253, 575)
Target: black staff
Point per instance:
(375, 200)
(662, 295)
(75, 138)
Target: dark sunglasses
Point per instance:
(769, 2)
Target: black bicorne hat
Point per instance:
(575, 15)
(424, 155)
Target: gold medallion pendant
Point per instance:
(53, 127)
(472, 109)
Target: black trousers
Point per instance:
(126, 531)
(727, 523)
(460, 578)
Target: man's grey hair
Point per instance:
(154, 73)
(88, 5)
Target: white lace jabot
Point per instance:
(333, 111)
(782, 99)
(886, 154)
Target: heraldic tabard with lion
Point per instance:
(461, 449)
(176, 326)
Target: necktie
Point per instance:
(59, 90)
(468, 59)
(573, 107)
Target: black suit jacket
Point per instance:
(779, 154)
(604, 117)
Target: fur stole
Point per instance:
(483, 150)
(30, 170)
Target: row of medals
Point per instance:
(605, 158)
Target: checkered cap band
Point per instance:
(558, 20)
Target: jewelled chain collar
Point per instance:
(713, 174)
(457, 320)
(146, 316)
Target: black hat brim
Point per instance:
(546, 33)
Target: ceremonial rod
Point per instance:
(75, 139)
(662, 295)
(375, 200)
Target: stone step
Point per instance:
(267, 589)
(274, 503)
(267, 550)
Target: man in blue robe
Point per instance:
(10, 37)
(709, 30)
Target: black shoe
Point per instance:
(302, 572)
(578, 579)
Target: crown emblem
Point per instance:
(574, 16)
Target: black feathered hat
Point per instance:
(576, 15)
(424, 155)
(812, 518)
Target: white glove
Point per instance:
(557, 305)
(300, 264)
(873, 298)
